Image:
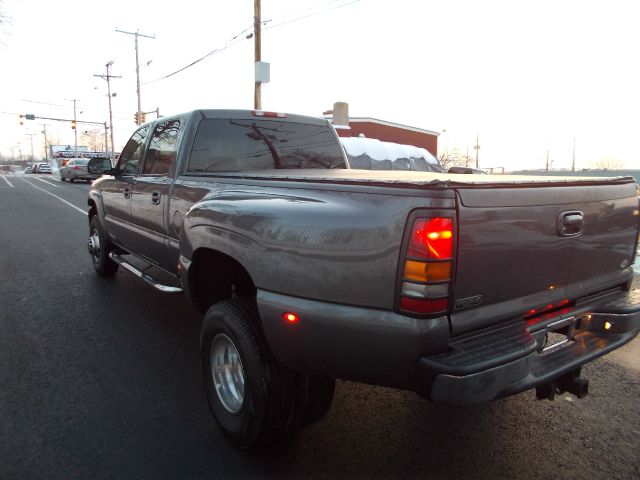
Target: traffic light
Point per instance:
(143, 116)
(135, 118)
(73, 124)
(21, 119)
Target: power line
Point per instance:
(43, 103)
(234, 40)
(229, 43)
(303, 17)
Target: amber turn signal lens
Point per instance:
(427, 272)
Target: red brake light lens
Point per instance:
(431, 238)
(261, 113)
(420, 306)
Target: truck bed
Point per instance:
(409, 179)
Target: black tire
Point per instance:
(264, 410)
(62, 178)
(99, 248)
(314, 396)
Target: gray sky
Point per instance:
(527, 77)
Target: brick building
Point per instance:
(381, 129)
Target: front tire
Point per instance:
(250, 395)
(99, 248)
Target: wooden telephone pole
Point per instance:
(476, 147)
(136, 35)
(257, 97)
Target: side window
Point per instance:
(161, 155)
(132, 152)
(420, 164)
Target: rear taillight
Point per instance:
(76, 167)
(427, 267)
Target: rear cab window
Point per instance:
(232, 145)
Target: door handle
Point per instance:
(126, 192)
(155, 198)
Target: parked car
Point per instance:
(373, 154)
(28, 169)
(467, 170)
(41, 168)
(76, 169)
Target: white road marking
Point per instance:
(5, 179)
(44, 181)
(56, 196)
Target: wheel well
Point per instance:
(93, 210)
(214, 276)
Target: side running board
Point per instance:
(139, 273)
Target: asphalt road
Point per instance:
(100, 378)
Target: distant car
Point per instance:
(29, 169)
(76, 169)
(373, 154)
(467, 170)
(41, 168)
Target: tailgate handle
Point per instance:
(570, 224)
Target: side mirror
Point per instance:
(100, 166)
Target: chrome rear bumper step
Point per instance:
(140, 274)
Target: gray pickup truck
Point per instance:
(462, 288)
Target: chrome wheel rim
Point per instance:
(94, 245)
(227, 373)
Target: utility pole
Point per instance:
(108, 77)
(46, 147)
(573, 162)
(547, 161)
(106, 148)
(257, 22)
(75, 130)
(136, 35)
(476, 147)
(31, 135)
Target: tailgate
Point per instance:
(527, 247)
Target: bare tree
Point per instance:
(4, 21)
(52, 139)
(452, 158)
(94, 139)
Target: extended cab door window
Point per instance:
(161, 155)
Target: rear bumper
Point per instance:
(384, 348)
(518, 357)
